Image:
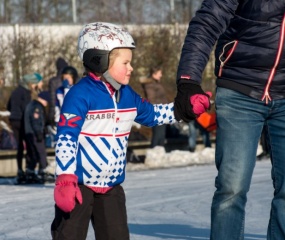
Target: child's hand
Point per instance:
(200, 103)
(66, 192)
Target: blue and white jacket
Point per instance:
(93, 131)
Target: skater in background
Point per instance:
(69, 77)
(92, 137)
(194, 129)
(54, 83)
(155, 92)
(29, 86)
(248, 36)
(35, 123)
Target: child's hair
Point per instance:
(72, 72)
(112, 56)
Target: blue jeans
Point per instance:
(240, 120)
(192, 139)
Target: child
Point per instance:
(69, 77)
(92, 137)
(35, 122)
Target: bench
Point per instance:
(8, 163)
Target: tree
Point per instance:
(117, 11)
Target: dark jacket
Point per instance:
(250, 48)
(35, 119)
(17, 103)
(53, 84)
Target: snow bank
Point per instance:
(158, 158)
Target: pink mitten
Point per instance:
(200, 103)
(66, 191)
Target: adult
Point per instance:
(53, 84)
(155, 93)
(19, 99)
(250, 70)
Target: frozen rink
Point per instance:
(171, 203)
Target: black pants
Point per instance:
(19, 133)
(107, 213)
(36, 153)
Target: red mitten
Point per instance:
(66, 192)
(200, 103)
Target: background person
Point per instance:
(194, 129)
(35, 123)
(69, 77)
(54, 83)
(155, 93)
(19, 99)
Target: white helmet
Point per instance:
(95, 42)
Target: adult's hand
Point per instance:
(199, 101)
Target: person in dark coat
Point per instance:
(249, 40)
(155, 92)
(17, 103)
(53, 84)
(35, 122)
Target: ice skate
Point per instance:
(32, 177)
(21, 177)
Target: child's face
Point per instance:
(68, 77)
(121, 69)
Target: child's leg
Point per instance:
(74, 225)
(110, 215)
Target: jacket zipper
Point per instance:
(229, 54)
(266, 95)
(113, 96)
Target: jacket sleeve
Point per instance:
(153, 114)
(72, 116)
(52, 86)
(204, 29)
